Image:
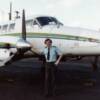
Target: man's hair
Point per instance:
(47, 40)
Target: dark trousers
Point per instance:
(50, 70)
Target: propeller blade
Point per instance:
(23, 26)
(22, 44)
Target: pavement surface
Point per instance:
(22, 81)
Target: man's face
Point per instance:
(48, 43)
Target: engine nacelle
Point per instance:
(6, 55)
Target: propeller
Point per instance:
(22, 43)
(23, 26)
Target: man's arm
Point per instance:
(60, 56)
(58, 60)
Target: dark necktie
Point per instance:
(48, 54)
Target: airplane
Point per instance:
(25, 36)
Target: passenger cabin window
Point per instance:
(47, 20)
(5, 28)
(29, 24)
(11, 26)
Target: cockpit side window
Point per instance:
(47, 21)
(35, 23)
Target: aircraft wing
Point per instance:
(7, 53)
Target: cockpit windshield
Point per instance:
(47, 21)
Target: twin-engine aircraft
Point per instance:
(25, 38)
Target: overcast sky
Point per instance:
(77, 13)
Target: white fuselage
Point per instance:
(75, 41)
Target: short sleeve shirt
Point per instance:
(54, 51)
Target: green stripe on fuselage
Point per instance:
(55, 36)
(2, 44)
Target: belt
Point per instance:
(50, 62)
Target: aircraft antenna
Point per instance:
(17, 14)
(10, 13)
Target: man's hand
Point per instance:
(57, 62)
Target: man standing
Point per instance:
(51, 53)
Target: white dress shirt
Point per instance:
(54, 51)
